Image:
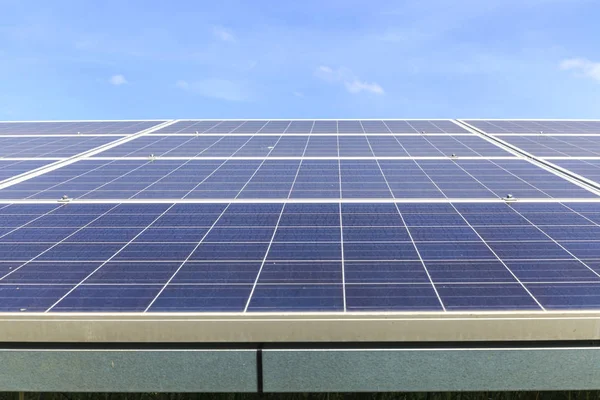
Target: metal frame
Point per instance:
(446, 368)
(128, 370)
(298, 327)
(297, 368)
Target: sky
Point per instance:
(299, 59)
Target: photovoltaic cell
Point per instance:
(536, 126)
(589, 169)
(75, 127)
(316, 146)
(57, 147)
(314, 126)
(557, 146)
(9, 169)
(294, 179)
(264, 256)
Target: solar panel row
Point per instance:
(283, 179)
(314, 126)
(75, 127)
(55, 147)
(561, 146)
(310, 146)
(9, 169)
(536, 126)
(207, 257)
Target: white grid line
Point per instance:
(487, 245)
(412, 240)
(57, 243)
(264, 260)
(274, 233)
(176, 169)
(186, 260)
(205, 235)
(29, 222)
(342, 226)
(108, 260)
(555, 242)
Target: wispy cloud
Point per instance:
(393, 37)
(224, 34)
(216, 88)
(350, 81)
(298, 94)
(118, 80)
(582, 67)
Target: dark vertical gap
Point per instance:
(259, 368)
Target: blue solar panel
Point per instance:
(51, 147)
(589, 169)
(262, 257)
(9, 169)
(536, 126)
(296, 179)
(308, 146)
(556, 146)
(313, 126)
(298, 216)
(75, 127)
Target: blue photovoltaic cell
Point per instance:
(312, 126)
(75, 127)
(557, 146)
(536, 126)
(589, 169)
(309, 146)
(295, 179)
(299, 257)
(9, 169)
(55, 147)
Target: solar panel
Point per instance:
(299, 216)
(232, 257)
(536, 126)
(75, 127)
(572, 146)
(316, 146)
(588, 168)
(556, 145)
(9, 169)
(313, 127)
(49, 147)
(290, 179)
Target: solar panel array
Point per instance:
(573, 145)
(302, 216)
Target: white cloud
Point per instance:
(350, 81)
(118, 80)
(217, 88)
(357, 86)
(392, 37)
(223, 34)
(582, 67)
(182, 85)
(298, 94)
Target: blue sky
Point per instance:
(303, 59)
